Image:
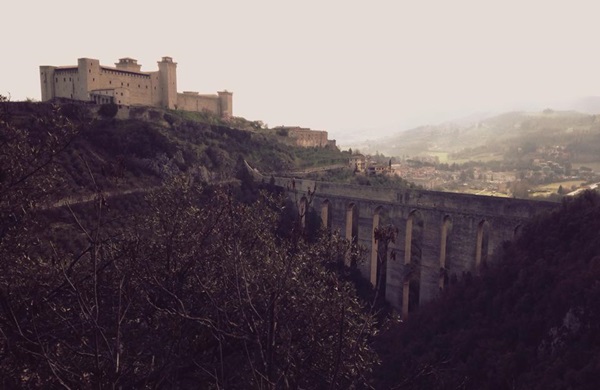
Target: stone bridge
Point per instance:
(440, 235)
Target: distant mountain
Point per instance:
(471, 119)
(587, 105)
(493, 133)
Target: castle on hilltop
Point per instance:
(126, 85)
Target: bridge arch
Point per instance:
(378, 260)
(517, 231)
(483, 244)
(413, 247)
(351, 225)
(444, 251)
(303, 210)
(326, 214)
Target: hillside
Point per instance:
(166, 276)
(531, 321)
(115, 155)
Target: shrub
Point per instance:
(108, 110)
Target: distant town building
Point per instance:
(126, 84)
(378, 169)
(357, 162)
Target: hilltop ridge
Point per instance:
(497, 134)
(119, 150)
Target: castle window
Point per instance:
(139, 86)
(57, 79)
(121, 83)
(110, 82)
(128, 84)
(121, 93)
(64, 79)
(94, 79)
(90, 71)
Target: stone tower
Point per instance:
(167, 75)
(225, 103)
(89, 80)
(47, 82)
(129, 64)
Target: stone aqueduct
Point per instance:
(440, 236)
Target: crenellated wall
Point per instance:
(193, 101)
(441, 236)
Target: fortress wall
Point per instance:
(68, 82)
(140, 86)
(309, 138)
(65, 83)
(195, 102)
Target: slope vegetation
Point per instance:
(178, 286)
(115, 155)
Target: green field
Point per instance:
(478, 158)
(444, 157)
(553, 187)
(594, 165)
(486, 193)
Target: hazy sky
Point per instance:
(340, 66)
